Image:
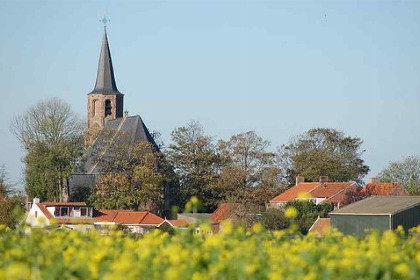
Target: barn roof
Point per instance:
(379, 205)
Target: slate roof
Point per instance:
(127, 130)
(333, 191)
(379, 205)
(105, 81)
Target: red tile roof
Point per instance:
(320, 225)
(384, 189)
(333, 191)
(178, 223)
(224, 212)
(127, 217)
(293, 192)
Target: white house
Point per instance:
(69, 214)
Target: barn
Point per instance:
(379, 213)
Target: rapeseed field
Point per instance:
(234, 253)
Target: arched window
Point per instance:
(108, 108)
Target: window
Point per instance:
(95, 107)
(64, 211)
(83, 212)
(108, 108)
(57, 211)
(36, 214)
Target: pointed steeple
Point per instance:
(105, 81)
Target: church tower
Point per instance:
(105, 102)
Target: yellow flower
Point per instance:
(291, 212)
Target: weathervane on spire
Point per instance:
(105, 21)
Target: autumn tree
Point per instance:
(250, 173)
(406, 172)
(323, 152)
(52, 136)
(195, 160)
(132, 177)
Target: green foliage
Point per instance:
(130, 179)
(197, 163)
(324, 152)
(274, 219)
(12, 211)
(406, 172)
(48, 167)
(308, 212)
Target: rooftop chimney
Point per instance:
(36, 200)
(125, 114)
(373, 180)
(323, 179)
(299, 179)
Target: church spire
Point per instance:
(105, 81)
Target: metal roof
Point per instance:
(379, 205)
(105, 81)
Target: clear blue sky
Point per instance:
(275, 67)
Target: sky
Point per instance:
(276, 67)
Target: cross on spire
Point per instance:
(105, 21)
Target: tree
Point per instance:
(323, 152)
(274, 219)
(6, 187)
(406, 172)
(131, 177)
(52, 135)
(12, 210)
(308, 212)
(196, 162)
(250, 173)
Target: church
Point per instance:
(107, 122)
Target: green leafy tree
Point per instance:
(12, 211)
(406, 172)
(53, 138)
(195, 160)
(308, 212)
(131, 177)
(6, 188)
(323, 152)
(250, 173)
(274, 219)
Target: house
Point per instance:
(374, 187)
(227, 212)
(320, 226)
(68, 214)
(175, 223)
(80, 216)
(135, 221)
(379, 213)
(334, 193)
